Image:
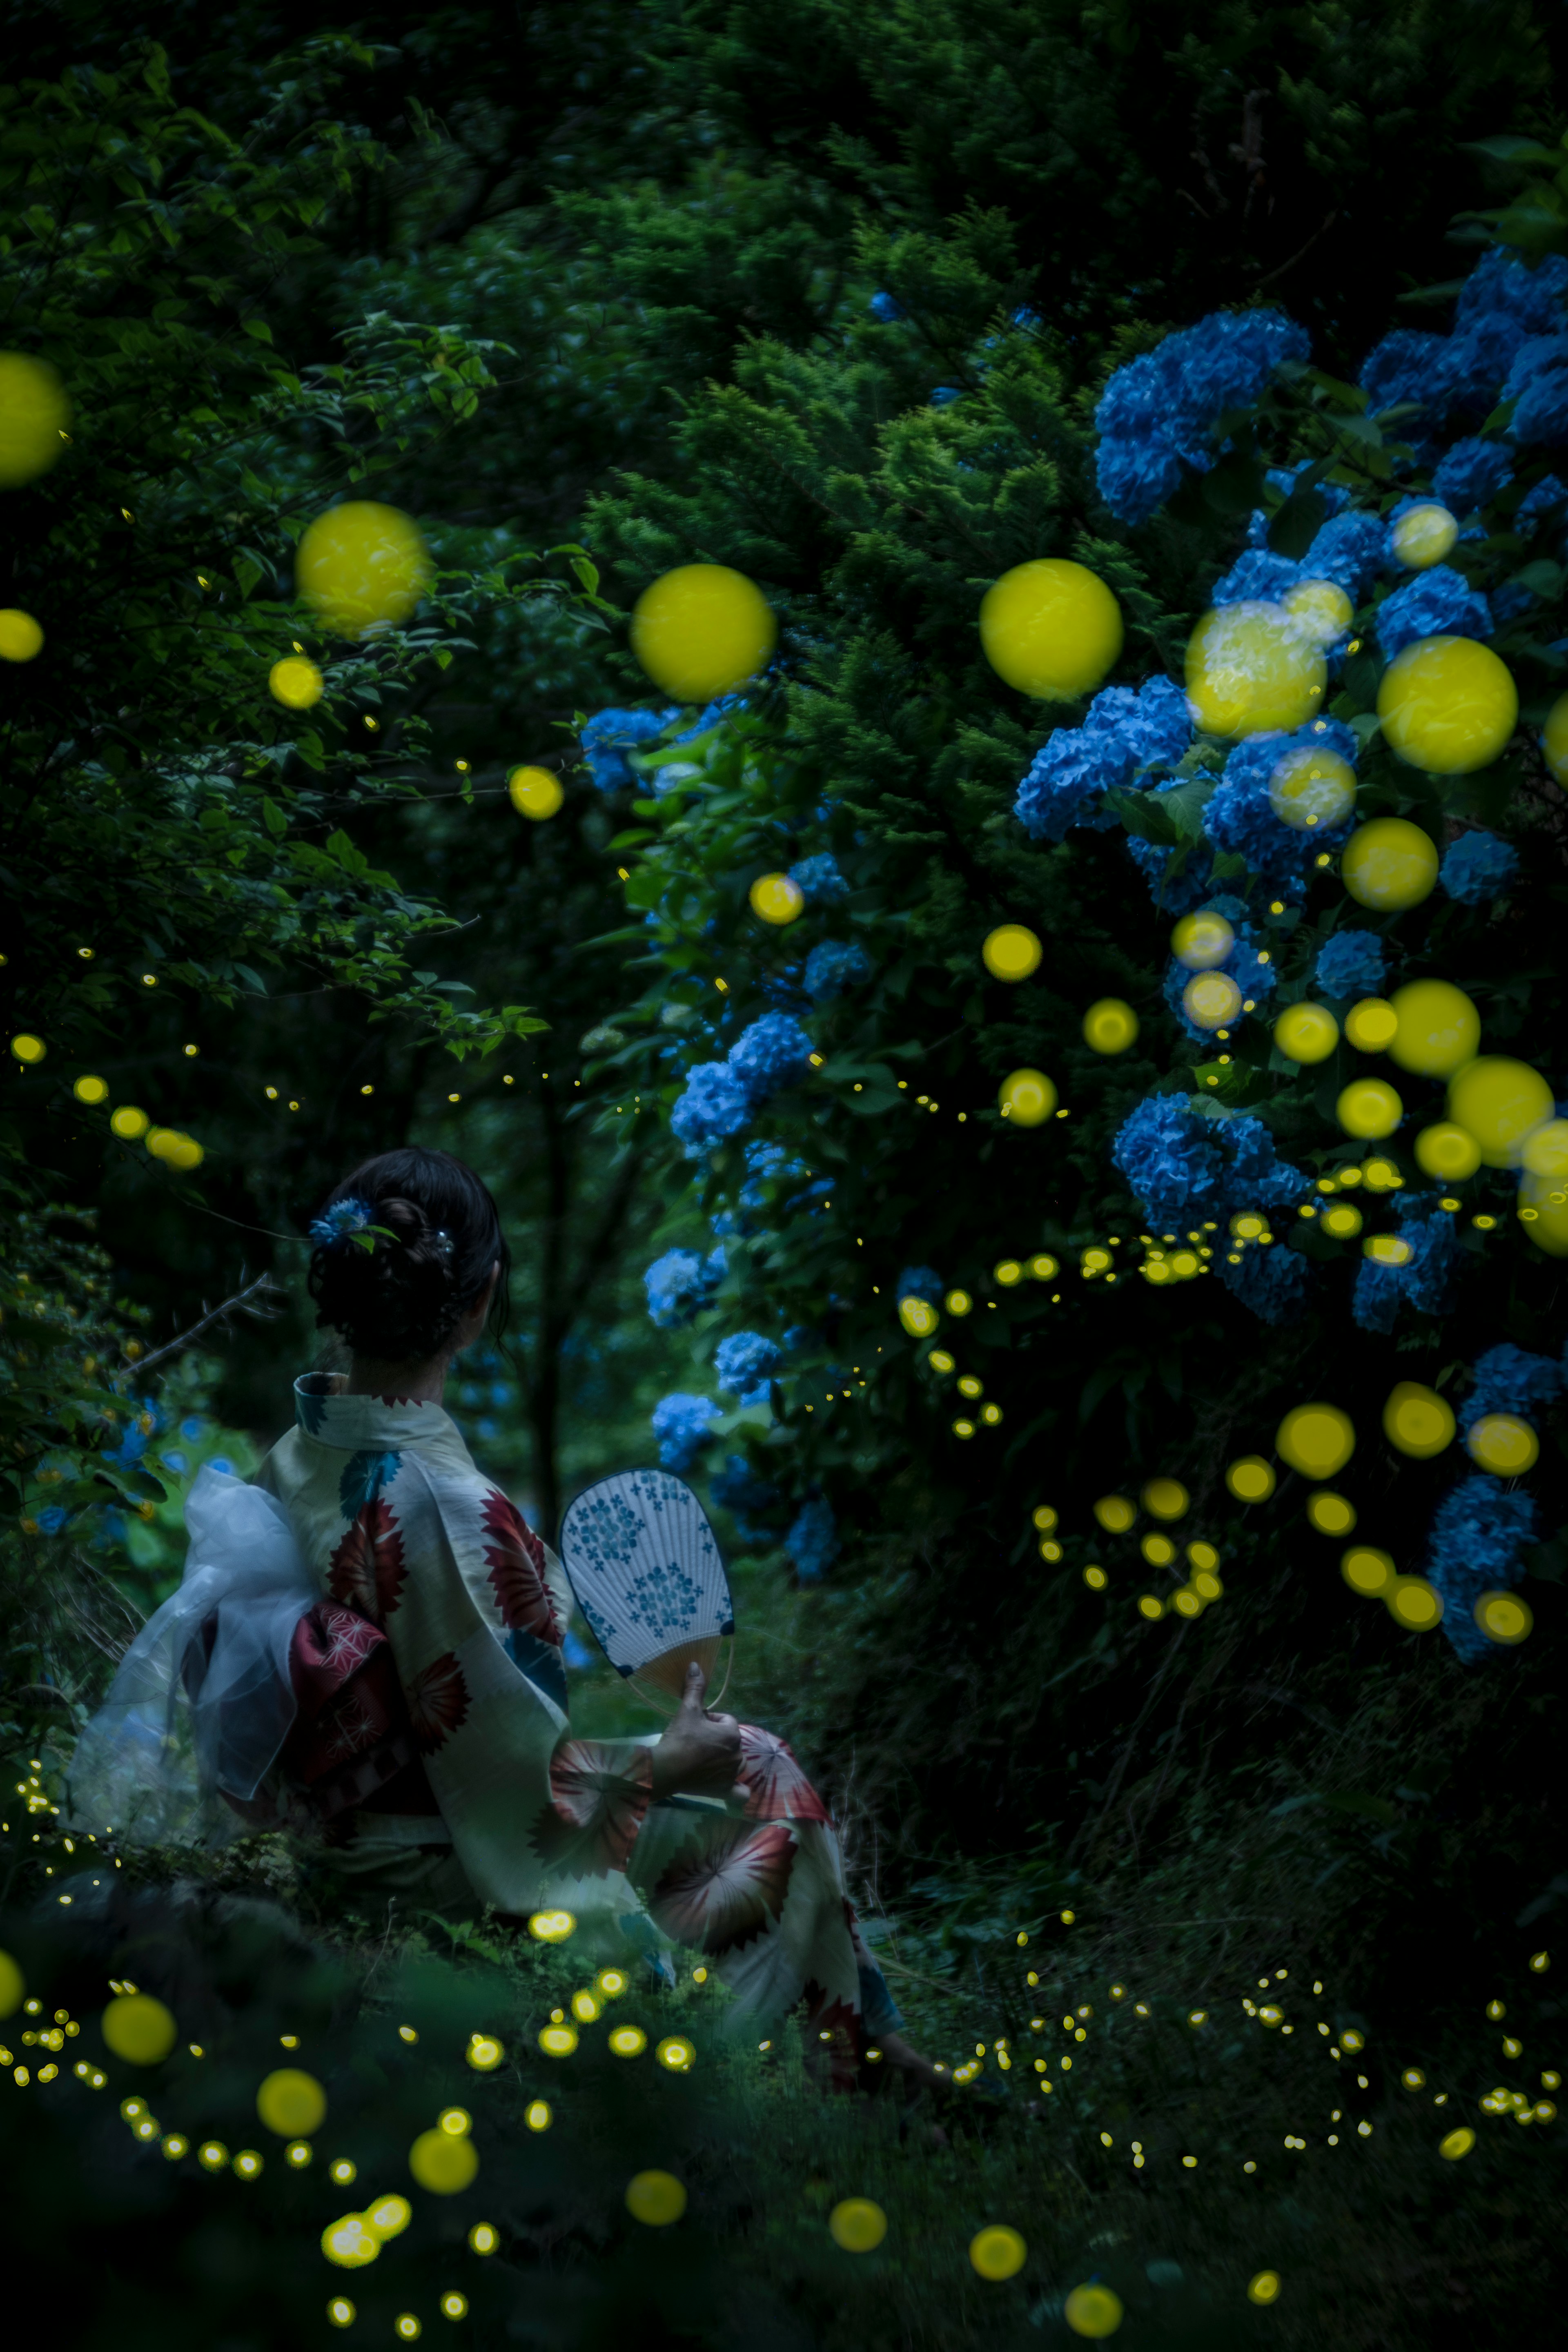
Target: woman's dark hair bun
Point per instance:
(399, 1300)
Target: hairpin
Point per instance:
(443, 1242)
(345, 1222)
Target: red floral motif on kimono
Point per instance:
(598, 1797)
(777, 1789)
(833, 2036)
(722, 1899)
(367, 1570)
(344, 1639)
(516, 1578)
(437, 1702)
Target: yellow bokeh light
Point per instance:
(1503, 1617)
(551, 1927)
(538, 2115)
(457, 2121)
(1456, 2142)
(341, 2311)
(1387, 1249)
(1369, 1108)
(34, 419)
(1158, 1550)
(1251, 668)
(585, 2007)
(919, 1317)
(1312, 790)
(1096, 1578)
(655, 2199)
(1250, 1479)
(1093, 2310)
(1367, 1570)
(1500, 1103)
(1389, 865)
(484, 2237)
(1414, 1603)
(1342, 1223)
(997, 2252)
(1115, 1514)
(21, 639)
(1504, 1445)
(703, 630)
(1372, 1025)
(348, 2242)
(1203, 1557)
(611, 1982)
(558, 2040)
(484, 2052)
(1264, 2287)
(1438, 1029)
(774, 899)
(1546, 1197)
(1201, 941)
(1418, 1421)
(1318, 1440)
(454, 2305)
(1306, 1032)
(28, 1049)
(1447, 704)
(1210, 1000)
(1050, 628)
(1423, 536)
(291, 2103)
(1165, 1499)
(534, 793)
(1109, 1027)
(387, 2216)
(90, 1090)
(1330, 1513)
(363, 568)
(1006, 1272)
(1012, 952)
(1150, 1606)
(1027, 1097)
(857, 2225)
(1321, 608)
(442, 2162)
(1546, 1152)
(676, 2052)
(139, 2029)
(296, 683)
(628, 2041)
(958, 1302)
(1555, 739)
(1446, 1152)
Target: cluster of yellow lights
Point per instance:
(920, 1318)
(129, 1122)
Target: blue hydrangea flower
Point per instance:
(920, 1282)
(1257, 575)
(715, 1106)
(1184, 1161)
(710, 717)
(1546, 499)
(1472, 474)
(53, 1517)
(1240, 817)
(683, 1427)
(1254, 978)
(1479, 1533)
(738, 1490)
(1351, 550)
(1477, 868)
(888, 309)
(336, 1226)
(1541, 419)
(1509, 1380)
(1426, 1282)
(678, 1284)
(1156, 412)
(744, 1363)
(1124, 732)
(1284, 478)
(609, 735)
(1175, 894)
(945, 394)
(1028, 317)
(1351, 963)
(1401, 369)
(1437, 602)
(1501, 283)
(770, 1053)
(1273, 1281)
(819, 881)
(813, 1542)
(835, 966)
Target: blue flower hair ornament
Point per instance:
(343, 1225)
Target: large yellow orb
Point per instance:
(21, 639)
(1447, 704)
(534, 793)
(1503, 1617)
(1027, 1098)
(1321, 608)
(1109, 1027)
(1414, 1603)
(1423, 536)
(35, 415)
(12, 1985)
(1440, 1029)
(1446, 1152)
(295, 682)
(348, 2243)
(442, 2162)
(1555, 739)
(1372, 1025)
(1311, 790)
(1389, 865)
(1318, 1440)
(1418, 1421)
(1367, 1570)
(655, 2199)
(1201, 941)
(362, 567)
(1012, 952)
(776, 899)
(1504, 1445)
(1050, 628)
(703, 630)
(1502, 1103)
(1093, 2310)
(138, 2028)
(1210, 1000)
(857, 2225)
(1546, 1152)
(1306, 1032)
(1250, 1479)
(1251, 668)
(1369, 1108)
(291, 2103)
(997, 2252)
(1548, 1197)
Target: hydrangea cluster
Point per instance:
(1538, 385)
(738, 1490)
(1176, 893)
(835, 966)
(1438, 603)
(1244, 964)
(771, 1053)
(1272, 1282)
(888, 309)
(1477, 868)
(1472, 474)
(1156, 413)
(1427, 1279)
(813, 1542)
(1185, 1158)
(1547, 499)
(680, 1284)
(1284, 478)
(819, 881)
(920, 1282)
(683, 1425)
(945, 394)
(1509, 1380)
(1124, 732)
(720, 1097)
(745, 1362)
(1351, 963)
(1458, 379)
(1240, 816)
(609, 735)
(1479, 1533)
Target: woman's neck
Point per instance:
(423, 1383)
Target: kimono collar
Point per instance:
(359, 1424)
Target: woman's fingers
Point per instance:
(696, 1686)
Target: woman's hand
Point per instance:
(700, 1755)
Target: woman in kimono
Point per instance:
(431, 1754)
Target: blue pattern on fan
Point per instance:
(645, 1569)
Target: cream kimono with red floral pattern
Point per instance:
(418, 1552)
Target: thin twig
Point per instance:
(254, 1299)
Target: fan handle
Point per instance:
(667, 1673)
